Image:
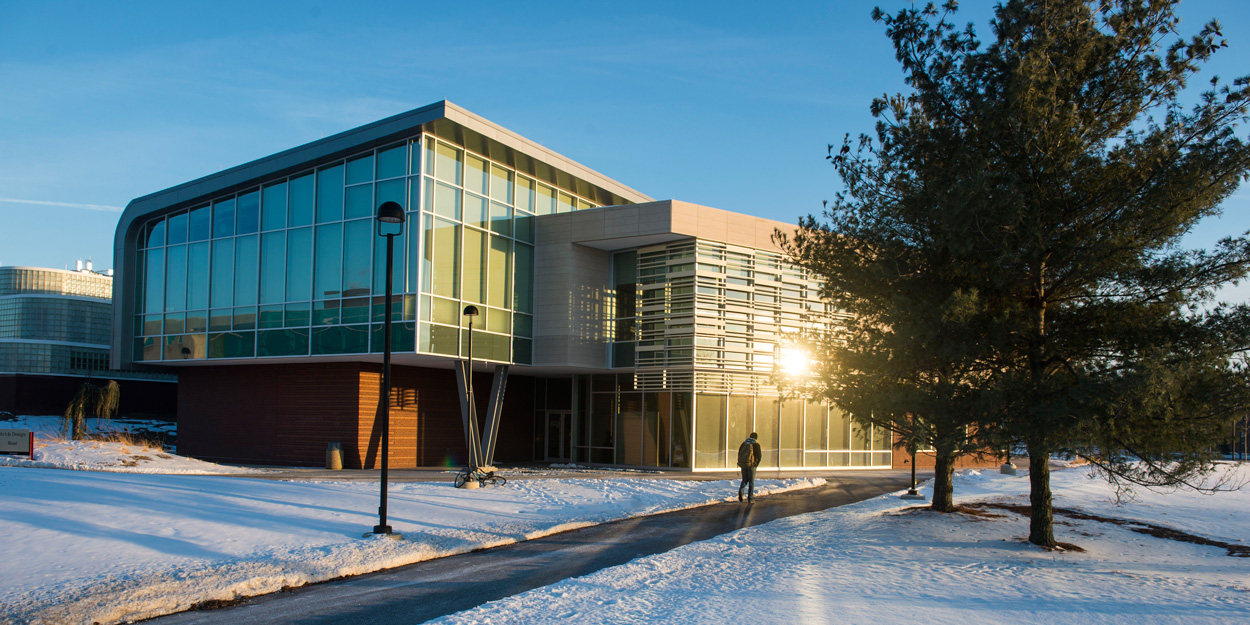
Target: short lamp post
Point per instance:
(391, 219)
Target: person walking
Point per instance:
(748, 459)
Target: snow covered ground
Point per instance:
(128, 539)
(884, 561)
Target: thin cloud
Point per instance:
(94, 207)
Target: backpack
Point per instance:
(746, 454)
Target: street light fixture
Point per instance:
(390, 214)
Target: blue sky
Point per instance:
(728, 104)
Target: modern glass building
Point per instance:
(55, 331)
(637, 332)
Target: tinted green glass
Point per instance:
(246, 272)
(245, 318)
(328, 263)
(403, 337)
(397, 263)
(564, 203)
(523, 297)
(500, 292)
(175, 323)
(414, 163)
(429, 157)
(247, 210)
(270, 316)
(273, 207)
(300, 201)
(221, 319)
(413, 235)
(152, 324)
(330, 194)
(273, 268)
(223, 219)
(524, 228)
(522, 351)
(298, 314)
(437, 339)
(154, 282)
(522, 325)
(222, 289)
(232, 345)
(178, 229)
(198, 223)
(197, 321)
(282, 342)
(355, 310)
(325, 313)
(357, 252)
(299, 264)
(340, 340)
(359, 201)
(176, 279)
(360, 169)
(392, 162)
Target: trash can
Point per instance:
(334, 456)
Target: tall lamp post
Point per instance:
(391, 215)
(471, 312)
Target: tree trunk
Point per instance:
(943, 489)
(1041, 517)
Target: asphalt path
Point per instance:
(426, 590)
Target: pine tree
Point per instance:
(1044, 182)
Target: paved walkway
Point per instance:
(427, 590)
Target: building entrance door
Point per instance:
(559, 436)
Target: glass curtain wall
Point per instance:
(294, 267)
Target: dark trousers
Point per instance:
(748, 480)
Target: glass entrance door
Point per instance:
(559, 436)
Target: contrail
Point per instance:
(94, 207)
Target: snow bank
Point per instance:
(112, 547)
(886, 560)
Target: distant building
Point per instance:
(55, 330)
(630, 332)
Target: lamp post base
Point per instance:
(383, 530)
(912, 494)
(1007, 469)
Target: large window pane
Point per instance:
(246, 272)
(476, 262)
(178, 229)
(198, 224)
(446, 201)
(629, 427)
(155, 281)
(330, 194)
(197, 276)
(397, 262)
(766, 427)
(393, 162)
(475, 174)
(223, 274)
(357, 252)
(248, 213)
(442, 250)
(447, 163)
(412, 234)
(223, 218)
(500, 184)
(740, 423)
(176, 278)
(682, 421)
(328, 263)
(545, 200)
(500, 219)
(500, 290)
(155, 233)
(390, 191)
(273, 268)
(710, 431)
(791, 433)
(523, 296)
(273, 207)
(360, 169)
(301, 199)
(524, 194)
(839, 429)
(359, 201)
(299, 265)
(475, 211)
(565, 203)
